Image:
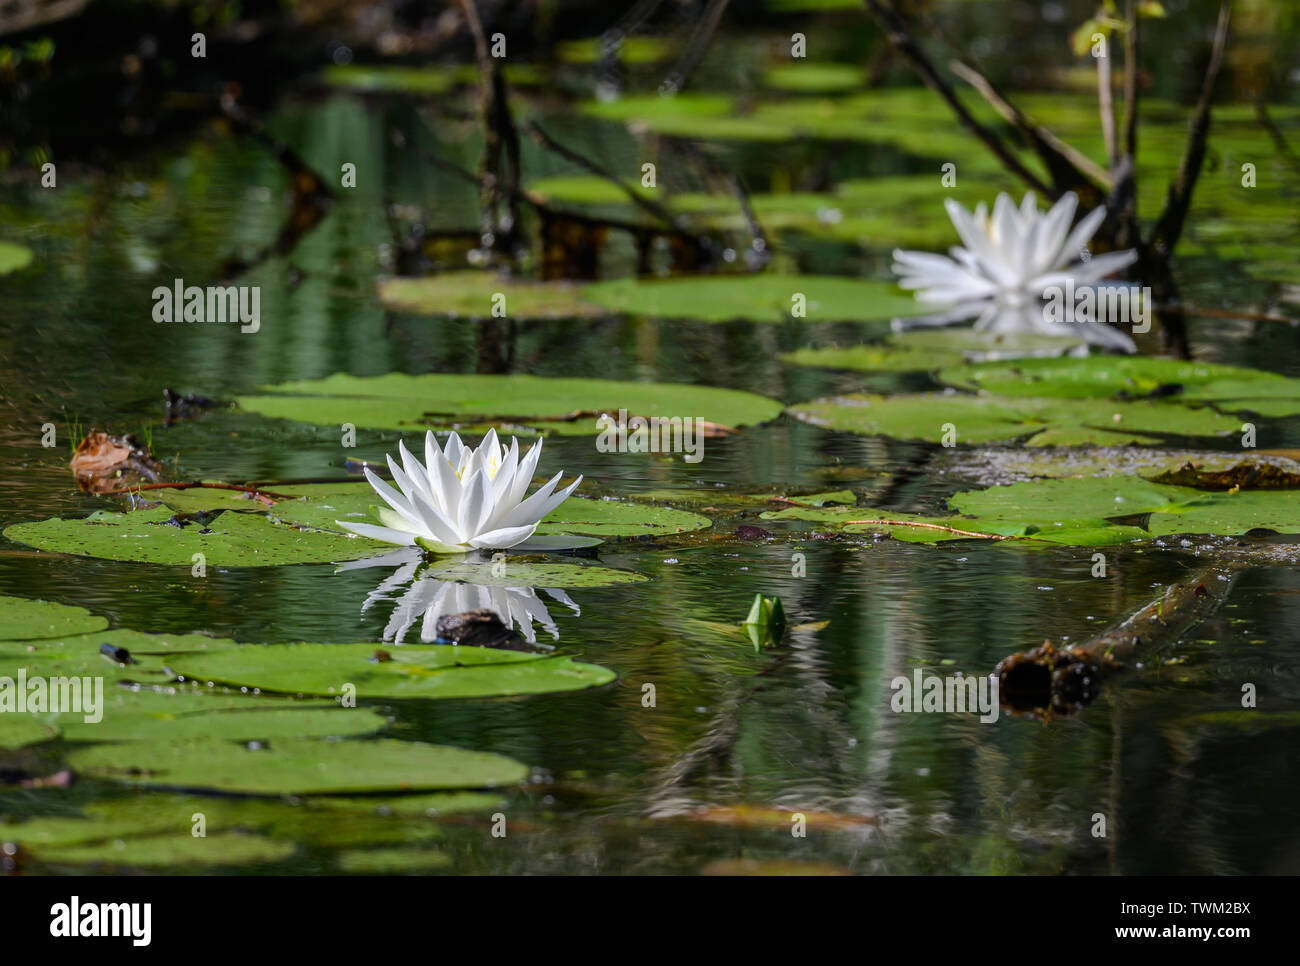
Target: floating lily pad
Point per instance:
(754, 298)
(413, 671)
(1229, 388)
(1086, 511)
(928, 350)
(1002, 465)
(398, 860)
(399, 401)
(21, 730)
(295, 766)
(815, 77)
(386, 77)
(23, 620)
(250, 725)
(136, 642)
(982, 419)
(586, 189)
(632, 50)
(575, 516)
(430, 805)
(234, 540)
(173, 851)
(470, 295)
(13, 257)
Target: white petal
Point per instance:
(560, 497)
(502, 538)
(476, 505)
(1081, 235)
(524, 475)
(386, 534)
(560, 541)
(532, 509)
(390, 496)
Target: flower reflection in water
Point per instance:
(425, 599)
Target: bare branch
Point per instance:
(902, 41)
(1106, 106)
(653, 208)
(1164, 237)
(1050, 147)
(1130, 79)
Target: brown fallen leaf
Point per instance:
(103, 463)
(1242, 476)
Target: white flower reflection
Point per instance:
(425, 599)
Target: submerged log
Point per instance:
(1050, 681)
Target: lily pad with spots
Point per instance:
(754, 298)
(1087, 511)
(21, 730)
(516, 403)
(22, 619)
(169, 852)
(1228, 388)
(227, 540)
(929, 350)
(985, 418)
(473, 295)
(249, 724)
(411, 671)
(297, 766)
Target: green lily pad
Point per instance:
(982, 419)
(23, 620)
(470, 295)
(1229, 388)
(137, 642)
(297, 766)
(400, 401)
(815, 77)
(633, 50)
(21, 730)
(13, 257)
(414, 671)
(753, 298)
(1088, 511)
(173, 851)
(575, 516)
(250, 725)
(235, 540)
(586, 189)
(398, 860)
(928, 350)
(387, 77)
(430, 805)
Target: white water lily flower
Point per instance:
(999, 274)
(428, 598)
(462, 499)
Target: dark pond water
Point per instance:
(804, 727)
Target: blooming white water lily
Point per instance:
(427, 599)
(462, 499)
(999, 274)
